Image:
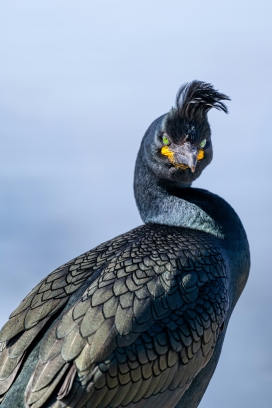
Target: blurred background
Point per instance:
(80, 82)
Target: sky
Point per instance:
(80, 82)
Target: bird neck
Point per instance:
(161, 202)
(169, 203)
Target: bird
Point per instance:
(140, 320)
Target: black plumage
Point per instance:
(140, 320)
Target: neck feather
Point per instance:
(162, 202)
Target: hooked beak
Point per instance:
(185, 155)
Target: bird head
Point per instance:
(178, 145)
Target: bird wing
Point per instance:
(145, 326)
(45, 300)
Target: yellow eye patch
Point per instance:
(200, 154)
(165, 150)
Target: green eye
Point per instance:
(165, 141)
(203, 143)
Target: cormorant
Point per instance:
(139, 321)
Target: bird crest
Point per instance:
(196, 98)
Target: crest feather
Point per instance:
(197, 98)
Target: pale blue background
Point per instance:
(80, 82)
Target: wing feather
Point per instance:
(48, 298)
(146, 325)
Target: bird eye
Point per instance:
(203, 143)
(165, 141)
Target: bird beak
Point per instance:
(185, 156)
